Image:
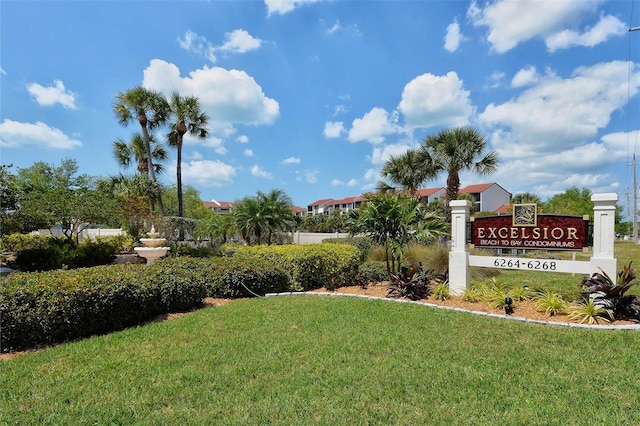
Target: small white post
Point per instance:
(459, 269)
(604, 220)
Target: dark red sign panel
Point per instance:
(550, 232)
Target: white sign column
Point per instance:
(459, 269)
(604, 233)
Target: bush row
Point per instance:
(311, 266)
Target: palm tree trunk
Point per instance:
(453, 185)
(142, 119)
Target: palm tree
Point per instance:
(264, 214)
(151, 110)
(189, 118)
(279, 214)
(407, 171)
(456, 150)
(393, 220)
(125, 154)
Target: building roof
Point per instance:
(480, 187)
(297, 209)
(218, 204)
(425, 192)
(322, 202)
(503, 209)
(348, 200)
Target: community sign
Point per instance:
(526, 229)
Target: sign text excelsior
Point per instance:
(551, 232)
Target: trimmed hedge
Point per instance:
(43, 308)
(310, 266)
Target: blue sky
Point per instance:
(313, 96)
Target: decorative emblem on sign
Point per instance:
(525, 215)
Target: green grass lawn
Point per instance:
(309, 360)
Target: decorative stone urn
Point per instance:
(153, 249)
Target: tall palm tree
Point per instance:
(453, 151)
(126, 153)
(150, 109)
(407, 171)
(188, 118)
(264, 214)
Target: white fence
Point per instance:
(304, 238)
(85, 233)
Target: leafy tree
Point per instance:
(573, 201)
(471, 198)
(212, 226)
(9, 194)
(133, 195)
(192, 204)
(393, 220)
(527, 198)
(53, 196)
(453, 151)
(151, 110)
(188, 118)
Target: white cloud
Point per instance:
(227, 96)
(308, 176)
(237, 41)
(208, 173)
(2, 71)
(193, 43)
(335, 28)
(373, 126)
(549, 130)
(512, 22)
(381, 154)
(453, 38)
(333, 129)
(258, 171)
(56, 94)
(242, 139)
(248, 152)
(284, 6)
(525, 77)
(557, 112)
(351, 183)
(291, 160)
(429, 100)
(14, 134)
(240, 41)
(605, 28)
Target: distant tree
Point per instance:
(527, 198)
(573, 201)
(263, 215)
(9, 196)
(53, 196)
(188, 117)
(407, 171)
(192, 204)
(133, 195)
(216, 226)
(151, 110)
(134, 151)
(453, 151)
(473, 209)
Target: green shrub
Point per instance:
(34, 259)
(371, 272)
(550, 303)
(441, 291)
(120, 243)
(57, 306)
(364, 244)
(17, 242)
(90, 253)
(234, 277)
(310, 266)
